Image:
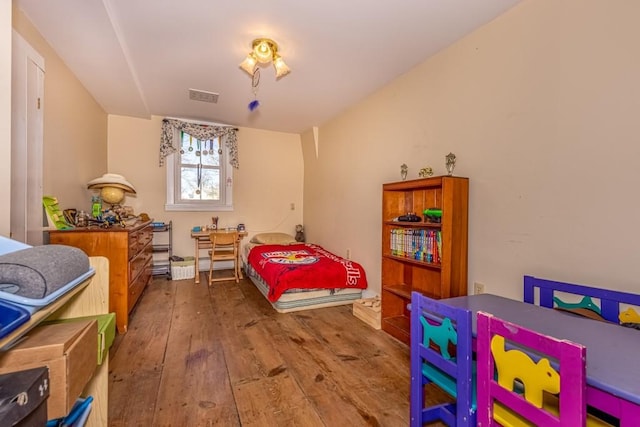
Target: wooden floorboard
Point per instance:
(137, 359)
(202, 356)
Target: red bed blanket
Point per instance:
(304, 266)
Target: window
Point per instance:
(199, 177)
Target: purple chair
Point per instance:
(506, 348)
(435, 329)
(608, 309)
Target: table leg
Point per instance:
(197, 262)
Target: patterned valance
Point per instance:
(227, 134)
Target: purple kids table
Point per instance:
(613, 351)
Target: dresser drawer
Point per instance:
(139, 262)
(137, 286)
(144, 237)
(138, 240)
(133, 244)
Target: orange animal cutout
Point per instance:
(514, 364)
(629, 316)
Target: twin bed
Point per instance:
(297, 276)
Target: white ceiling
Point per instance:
(140, 57)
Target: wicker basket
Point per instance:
(181, 270)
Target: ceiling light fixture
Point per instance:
(264, 51)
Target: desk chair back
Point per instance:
(435, 327)
(497, 400)
(608, 307)
(224, 247)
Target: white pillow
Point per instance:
(273, 239)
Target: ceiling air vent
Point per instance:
(203, 95)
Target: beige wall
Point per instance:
(541, 108)
(5, 115)
(269, 179)
(75, 127)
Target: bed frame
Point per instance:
(304, 299)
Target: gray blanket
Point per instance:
(41, 270)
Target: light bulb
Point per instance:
(263, 52)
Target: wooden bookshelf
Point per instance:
(427, 257)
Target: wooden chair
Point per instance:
(437, 325)
(550, 398)
(609, 300)
(224, 247)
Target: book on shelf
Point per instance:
(418, 244)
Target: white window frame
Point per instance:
(173, 183)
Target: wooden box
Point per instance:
(69, 351)
(368, 310)
(106, 331)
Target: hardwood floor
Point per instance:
(200, 356)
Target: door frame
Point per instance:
(27, 122)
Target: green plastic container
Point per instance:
(106, 331)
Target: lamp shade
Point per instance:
(249, 64)
(112, 180)
(281, 68)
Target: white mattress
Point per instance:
(304, 299)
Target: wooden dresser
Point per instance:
(130, 255)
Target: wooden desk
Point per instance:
(613, 371)
(202, 242)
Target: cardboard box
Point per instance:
(68, 350)
(368, 310)
(106, 331)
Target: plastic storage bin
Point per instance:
(181, 270)
(34, 304)
(11, 317)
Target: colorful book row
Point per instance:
(418, 244)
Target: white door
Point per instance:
(27, 106)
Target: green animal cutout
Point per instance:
(440, 335)
(514, 364)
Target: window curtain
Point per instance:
(227, 135)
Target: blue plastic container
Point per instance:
(34, 304)
(11, 317)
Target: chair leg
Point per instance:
(210, 272)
